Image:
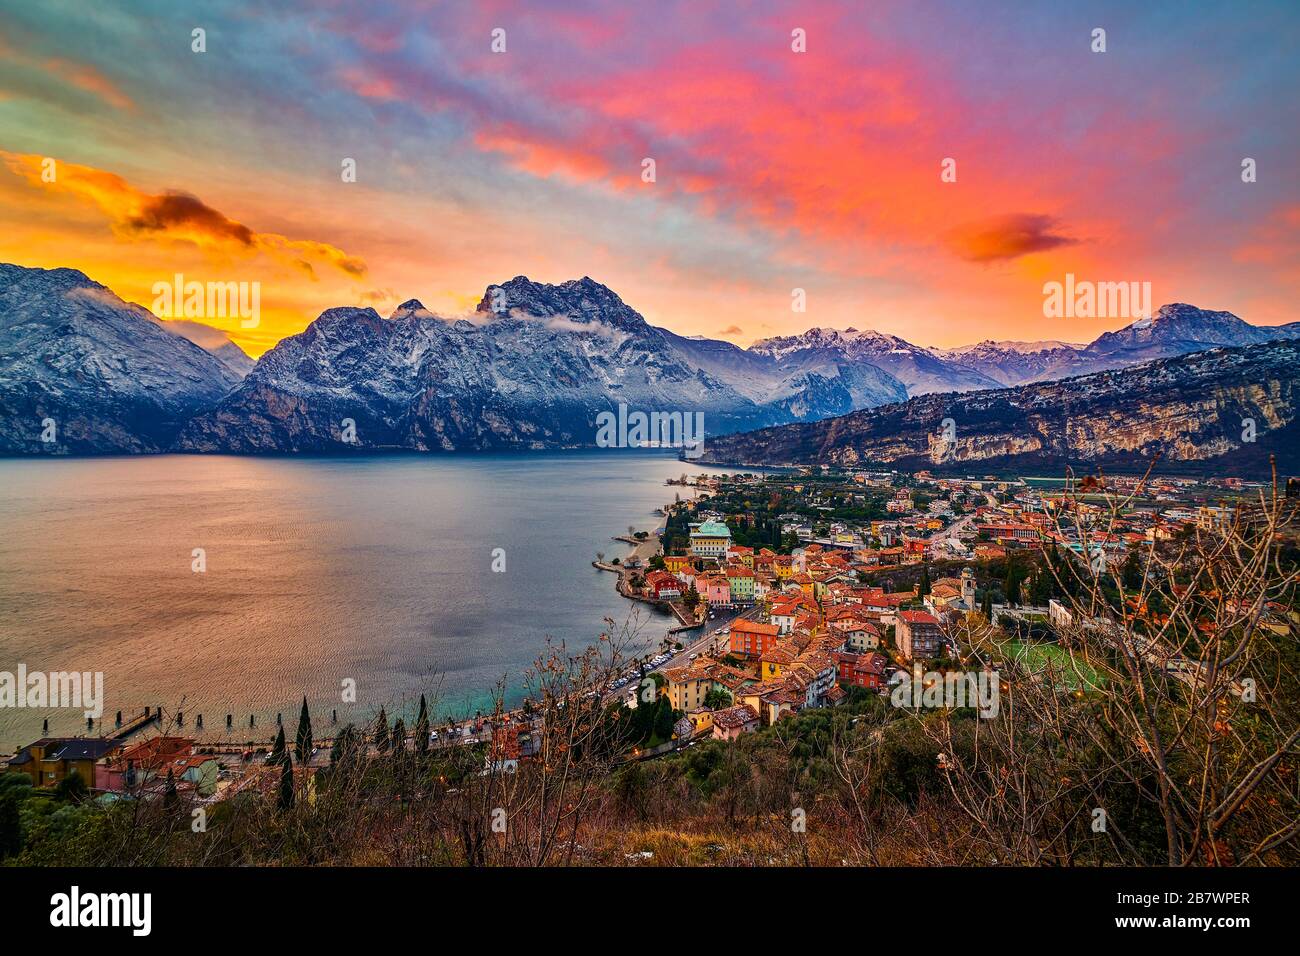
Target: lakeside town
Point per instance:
(850, 580)
(792, 590)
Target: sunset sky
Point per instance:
(775, 169)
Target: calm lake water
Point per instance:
(375, 569)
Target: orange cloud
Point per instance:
(80, 75)
(176, 217)
(1006, 237)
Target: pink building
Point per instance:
(714, 588)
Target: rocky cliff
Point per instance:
(1200, 408)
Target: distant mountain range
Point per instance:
(1223, 406)
(1175, 329)
(530, 368)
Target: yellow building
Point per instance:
(701, 720)
(772, 666)
(710, 539)
(676, 562)
(687, 688)
(52, 759)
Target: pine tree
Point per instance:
(422, 728)
(381, 731)
(277, 749)
(286, 782)
(302, 743)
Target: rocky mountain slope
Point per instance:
(532, 369)
(96, 374)
(214, 341)
(1015, 363)
(922, 370)
(1186, 409)
(1175, 329)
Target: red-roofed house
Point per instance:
(918, 635)
(752, 639)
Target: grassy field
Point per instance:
(1075, 674)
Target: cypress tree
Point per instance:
(924, 588)
(987, 605)
(399, 737)
(286, 783)
(277, 749)
(170, 797)
(343, 746)
(381, 731)
(302, 743)
(422, 728)
(663, 724)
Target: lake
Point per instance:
(318, 570)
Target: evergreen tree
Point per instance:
(381, 731)
(422, 728)
(1040, 589)
(664, 719)
(344, 746)
(924, 587)
(987, 606)
(277, 749)
(1131, 572)
(71, 789)
(302, 743)
(399, 737)
(286, 782)
(14, 791)
(171, 799)
(11, 827)
(1012, 587)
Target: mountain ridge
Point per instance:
(530, 367)
(82, 372)
(1190, 408)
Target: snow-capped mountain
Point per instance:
(1187, 408)
(1178, 328)
(214, 341)
(1175, 329)
(1014, 363)
(922, 370)
(532, 368)
(95, 374)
